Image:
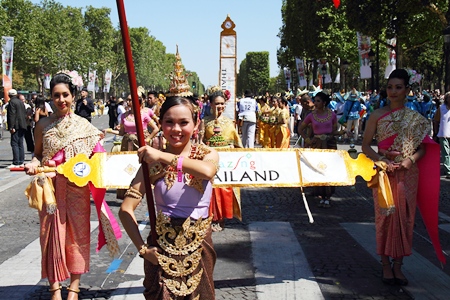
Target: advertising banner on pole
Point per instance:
(300, 71)
(7, 60)
(363, 51)
(392, 57)
(91, 83)
(108, 77)
(287, 77)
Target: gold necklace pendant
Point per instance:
(322, 120)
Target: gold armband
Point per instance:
(412, 159)
(174, 161)
(133, 193)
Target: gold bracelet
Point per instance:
(143, 250)
(412, 159)
(133, 193)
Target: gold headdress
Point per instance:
(179, 85)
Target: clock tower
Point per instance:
(228, 64)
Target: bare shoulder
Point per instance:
(44, 122)
(379, 112)
(212, 153)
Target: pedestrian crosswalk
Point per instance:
(280, 267)
(276, 263)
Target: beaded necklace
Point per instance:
(322, 120)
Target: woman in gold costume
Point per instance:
(65, 212)
(410, 160)
(220, 132)
(282, 132)
(181, 265)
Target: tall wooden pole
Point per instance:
(137, 116)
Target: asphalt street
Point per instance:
(274, 253)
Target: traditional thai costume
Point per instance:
(225, 202)
(183, 226)
(323, 138)
(65, 232)
(282, 132)
(399, 134)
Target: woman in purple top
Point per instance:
(324, 126)
(182, 263)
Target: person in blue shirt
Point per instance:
(352, 108)
(428, 109)
(412, 103)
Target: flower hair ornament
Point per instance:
(414, 77)
(76, 79)
(214, 89)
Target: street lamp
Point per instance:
(371, 59)
(345, 66)
(446, 34)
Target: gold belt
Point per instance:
(322, 137)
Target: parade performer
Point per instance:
(220, 132)
(282, 132)
(273, 120)
(179, 256)
(324, 127)
(266, 110)
(127, 127)
(182, 176)
(411, 177)
(65, 213)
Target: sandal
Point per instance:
(326, 204)
(76, 291)
(53, 291)
(388, 281)
(215, 227)
(399, 281)
(321, 203)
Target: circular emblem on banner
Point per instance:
(81, 169)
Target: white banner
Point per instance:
(300, 71)
(7, 60)
(108, 78)
(91, 80)
(228, 82)
(238, 168)
(392, 58)
(363, 51)
(47, 79)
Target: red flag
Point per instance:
(336, 3)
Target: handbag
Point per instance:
(342, 120)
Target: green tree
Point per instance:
(257, 69)
(99, 27)
(242, 78)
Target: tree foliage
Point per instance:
(315, 29)
(257, 70)
(50, 37)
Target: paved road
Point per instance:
(274, 253)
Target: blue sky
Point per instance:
(195, 26)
